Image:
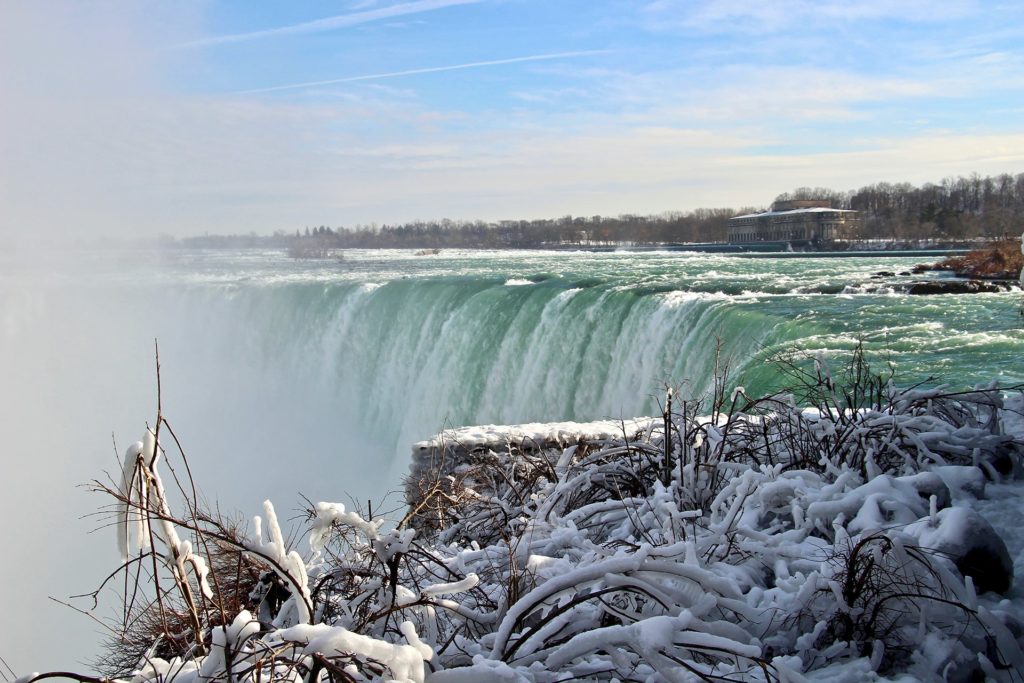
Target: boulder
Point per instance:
(930, 484)
(966, 538)
(1002, 458)
(963, 480)
(954, 287)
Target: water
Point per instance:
(285, 377)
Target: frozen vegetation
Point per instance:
(845, 531)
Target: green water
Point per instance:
(417, 342)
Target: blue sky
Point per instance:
(139, 118)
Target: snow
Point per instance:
(288, 565)
(538, 434)
(405, 662)
(471, 581)
(909, 499)
(815, 209)
(330, 514)
(964, 536)
(1003, 509)
(785, 543)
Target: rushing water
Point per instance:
(287, 376)
(395, 346)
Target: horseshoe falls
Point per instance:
(286, 377)
(397, 346)
(349, 362)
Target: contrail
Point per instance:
(335, 22)
(428, 70)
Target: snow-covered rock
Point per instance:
(964, 536)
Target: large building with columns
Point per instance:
(798, 220)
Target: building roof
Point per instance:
(816, 209)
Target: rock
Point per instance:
(1002, 459)
(963, 479)
(930, 484)
(963, 671)
(966, 538)
(954, 287)
(883, 273)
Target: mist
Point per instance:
(104, 136)
(77, 357)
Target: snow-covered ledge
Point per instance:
(446, 451)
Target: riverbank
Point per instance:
(770, 250)
(1000, 261)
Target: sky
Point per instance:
(135, 119)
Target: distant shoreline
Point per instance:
(862, 253)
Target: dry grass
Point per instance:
(1003, 260)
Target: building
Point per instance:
(798, 220)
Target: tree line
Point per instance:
(966, 207)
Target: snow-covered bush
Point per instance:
(767, 540)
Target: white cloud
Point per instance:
(730, 16)
(652, 170)
(564, 96)
(730, 95)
